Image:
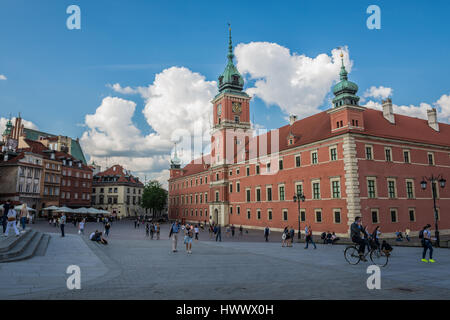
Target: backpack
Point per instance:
(421, 234)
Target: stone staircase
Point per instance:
(27, 245)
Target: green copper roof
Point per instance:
(8, 128)
(175, 162)
(345, 90)
(230, 79)
(77, 152)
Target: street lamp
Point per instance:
(423, 184)
(300, 197)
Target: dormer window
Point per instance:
(64, 162)
(70, 163)
(52, 156)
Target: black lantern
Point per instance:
(423, 184)
(442, 182)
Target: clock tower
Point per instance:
(231, 114)
(230, 133)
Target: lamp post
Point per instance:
(299, 197)
(423, 184)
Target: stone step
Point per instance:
(42, 248)
(19, 246)
(7, 243)
(28, 251)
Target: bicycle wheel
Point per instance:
(379, 258)
(351, 255)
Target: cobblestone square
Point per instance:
(132, 266)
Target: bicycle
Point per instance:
(377, 256)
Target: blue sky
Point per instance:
(56, 76)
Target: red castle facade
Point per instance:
(348, 161)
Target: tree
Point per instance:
(154, 196)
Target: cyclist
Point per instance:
(356, 230)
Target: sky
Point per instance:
(137, 71)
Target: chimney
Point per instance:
(292, 119)
(432, 119)
(388, 112)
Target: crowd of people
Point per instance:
(360, 235)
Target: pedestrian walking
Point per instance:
(188, 235)
(211, 231)
(425, 236)
(233, 230)
(81, 226)
(291, 235)
(284, 236)
(376, 237)
(152, 230)
(157, 230)
(6, 208)
(219, 233)
(147, 229)
(62, 223)
(266, 233)
(174, 229)
(107, 227)
(12, 223)
(135, 223)
(196, 232)
(23, 216)
(309, 238)
(241, 231)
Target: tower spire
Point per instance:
(230, 79)
(343, 74)
(230, 45)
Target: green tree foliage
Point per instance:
(154, 197)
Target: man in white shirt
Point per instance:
(12, 214)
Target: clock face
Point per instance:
(237, 107)
(219, 109)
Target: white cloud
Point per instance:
(111, 132)
(3, 77)
(179, 98)
(419, 111)
(378, 92)
(118, 88)
(444, 104)
(296, 83)
(26, 123)
(177, 106)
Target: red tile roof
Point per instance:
(118, 170)
(196, 166)
(318, 127)
(405, 128)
